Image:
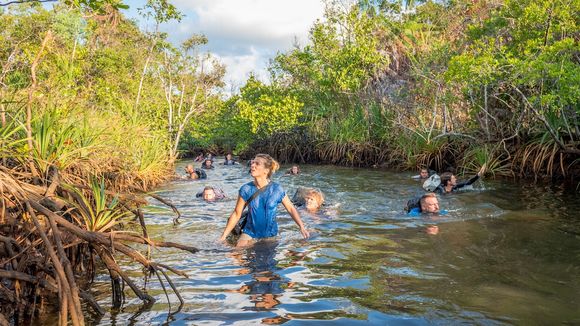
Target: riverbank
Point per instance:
(461, 155)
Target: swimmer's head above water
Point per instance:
(429, 203)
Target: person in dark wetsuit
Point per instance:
(261, 221)
(229, 160)
(449, 182)
(207, 164)
(193, 174)
(198, 174)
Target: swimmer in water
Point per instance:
(294, 170)
(449, 182)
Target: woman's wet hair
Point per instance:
(317, 195)
(270, 163)
(445, 178)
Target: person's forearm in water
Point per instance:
(295, 216)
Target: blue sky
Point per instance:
(242, 34)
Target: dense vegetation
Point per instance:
(94, 110)
(443, 84)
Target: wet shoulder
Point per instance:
(247, 190)
(277, 190)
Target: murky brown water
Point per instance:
(506, 253)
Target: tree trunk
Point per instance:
(31, 90)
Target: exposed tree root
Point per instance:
(48, 250)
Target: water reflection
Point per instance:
(266, 288)
(505, 253)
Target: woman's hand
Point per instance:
(295, 216)
(305, 233)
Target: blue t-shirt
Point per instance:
(262, 210)
(416, 211)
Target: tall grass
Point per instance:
(61, 141)
(421, 148)
(497, 160)
(11, 139)
(541, 156)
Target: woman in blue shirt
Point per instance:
(261, 221)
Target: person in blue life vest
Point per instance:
(261, 221)
(428, 205)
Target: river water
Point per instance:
(506, 253)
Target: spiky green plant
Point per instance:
(60, 141)
(540, 156)
(10, 138)
(497, 162)
(421, 147)
(96, 211)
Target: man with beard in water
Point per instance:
(428, 205)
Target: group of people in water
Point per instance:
(435, 185)
(258, 199)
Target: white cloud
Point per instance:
(245, 34)
(239, 68)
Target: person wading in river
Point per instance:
(261, 220)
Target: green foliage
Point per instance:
(60, 142)
(99, 6)
(161, 10)
(266, 110)
(10, 139)
(526, 51)
(343, 56)
(99, 214)
(496, 160)
(421, 147)
(330, 76)
(258, 112)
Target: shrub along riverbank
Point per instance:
(89, 123)
(443, 84)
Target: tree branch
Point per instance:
(25, 1)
